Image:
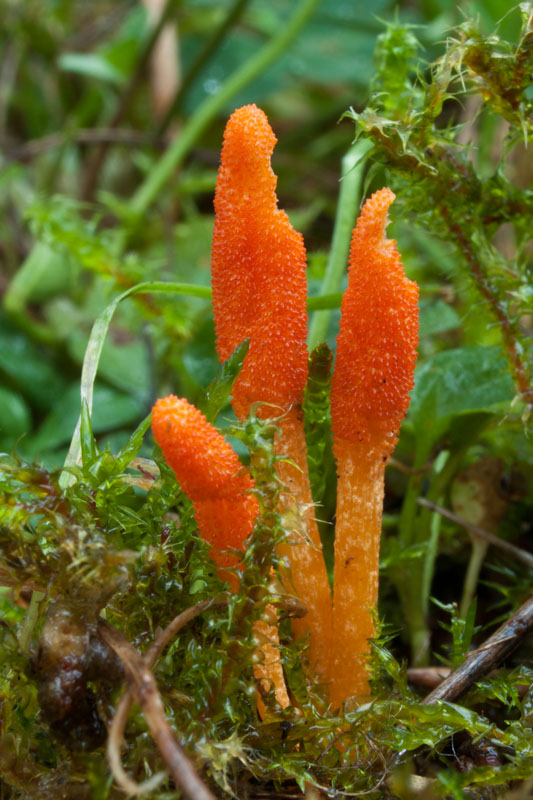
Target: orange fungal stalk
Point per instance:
(260, 292)
(374, 370)
(210, 473)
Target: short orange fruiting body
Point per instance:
(260, 292)
(211, 475)
(374, 372)
(258, 270)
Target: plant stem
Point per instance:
(200, 120)
(347, 205)
(475, 562)
(416, 527)
(30, 620)
(425, 524)
(519, 365)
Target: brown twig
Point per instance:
(482, 660)
(145, 692)
(517, 552)
(406, 469)
(427, 677)
(118, 724)
(30, 586)
(431, 677)
(26, 150)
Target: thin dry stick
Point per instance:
(517, 552)
(393, 462)
(480, 661)
(427, 677)
(26, 150)
(147, 696)
(118, 724)
(120, 718)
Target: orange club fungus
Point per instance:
(260, 292)
(374, 372)
(211, 475)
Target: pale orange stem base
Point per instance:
(269, 673)
(360, 490)
(308, 576)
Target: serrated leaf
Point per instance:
(133, 445)
(462, 381)
(218, 392)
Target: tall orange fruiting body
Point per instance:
(211, 475)
(374, 372)
(260, 292)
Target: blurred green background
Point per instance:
(84, 119)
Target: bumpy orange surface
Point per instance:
(210, 473)
(377, 341)
(376, 353)
(260, 292)
(206, 465)
(258, 270)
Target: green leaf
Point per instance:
(94, 351)
(125, 366)
(462, 381)
(91, 65)
(28, 368)
(112, 409)
(436, 316)
(316, 416)
(200, 358)
(218, 392)
(43, 274)
(132, 446)
(15, 417)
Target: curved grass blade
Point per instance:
(94, 351)
(316, 416)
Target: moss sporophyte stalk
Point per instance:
(259, 294)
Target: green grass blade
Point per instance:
(207, 111)
(94, 351)
(347, 206)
